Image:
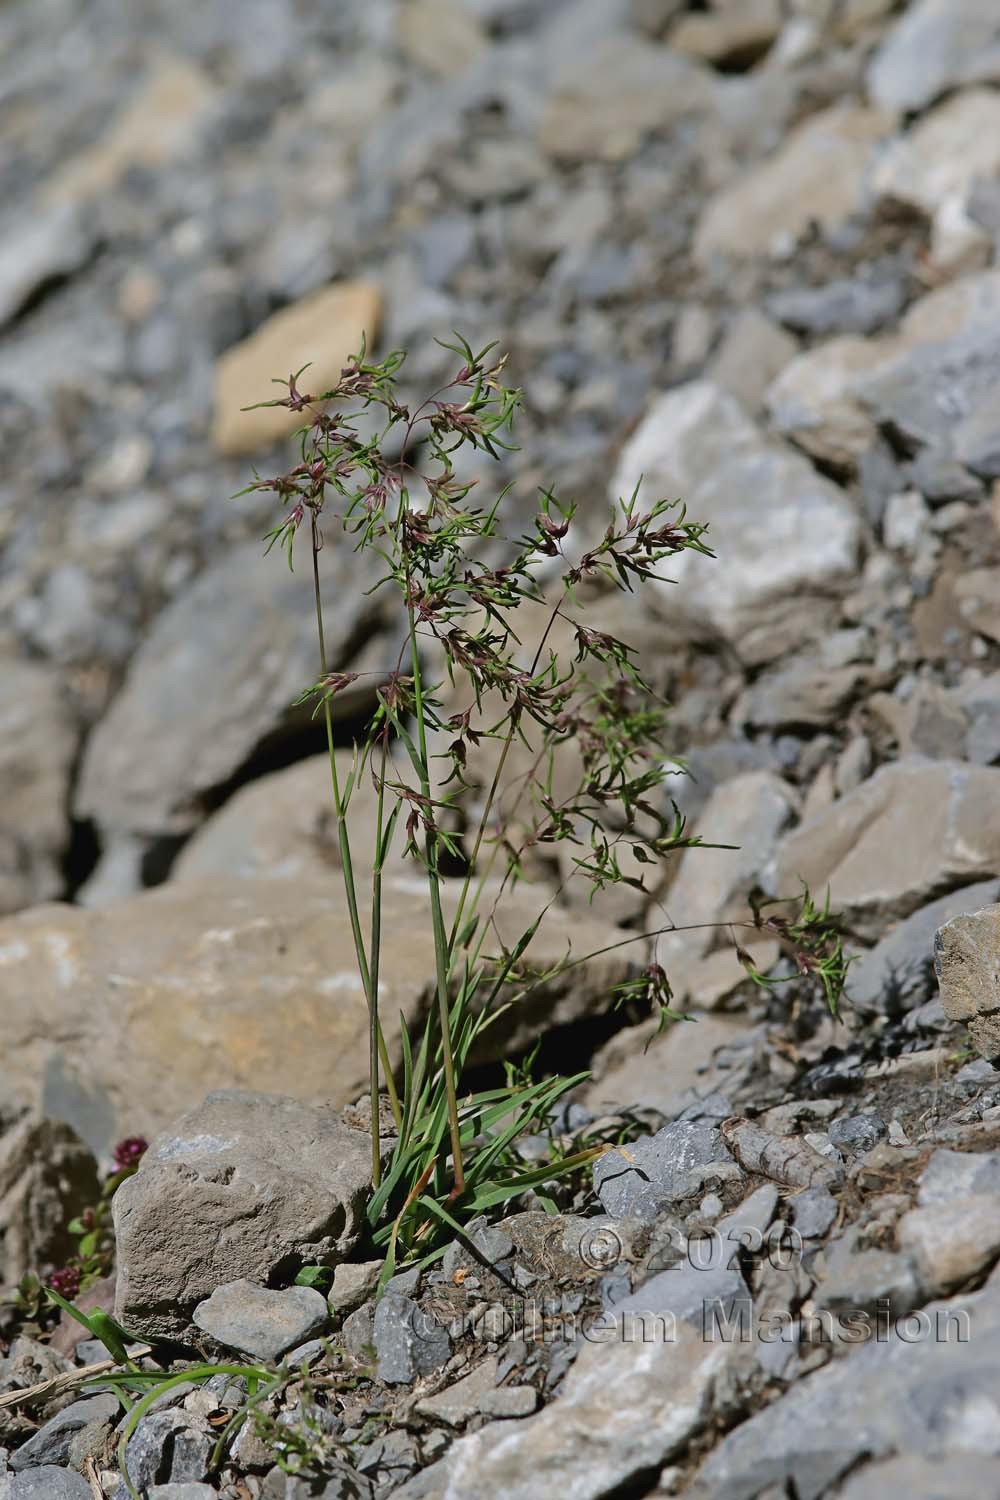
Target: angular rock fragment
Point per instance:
(47, 1177)
(934, 46)
(408, 1342)
(817, 175)
(897, 974)
(322, 330)
(246, 983)
(967, 961)
(877, 859)
(916, 1390)
(697, 442)
(643, 1384)
(263, 1322)
(952, 1242)
(38, 741)
(642, 1179)
(244, 1187)
(215, 677)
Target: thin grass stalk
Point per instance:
(376, 951)
(442, 947)
(347, 870)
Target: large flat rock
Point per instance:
(120, 1019)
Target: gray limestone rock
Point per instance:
(925, 1477)
(905, 395)
(262, 1321)
(52, 1442)
(813, 1212)
(643, 1384)
(242, 1186)
(642, 1179)
(167, 1446)
(934, 46)
(214, 677)
(878, 860)
(857, 1133)
(697, 441)
(49, 1483)
(408, 1342)
(916, 1391)
(38, 740)
(46, 245)
(841, 305)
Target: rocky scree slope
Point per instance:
(748, 252)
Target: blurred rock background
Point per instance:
(746, 249)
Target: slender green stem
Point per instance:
(442, 946)
(350, 888)
(375, 949)
(139, 1410)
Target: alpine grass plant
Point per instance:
(464, 619)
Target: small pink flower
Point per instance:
(128, 1152)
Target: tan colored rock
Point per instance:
(125, 1017)
(283, 827)
(158, 125)
(752, 354)
(977, 594)
(967, 962)
(813, 402)
(954, 308)
(720, 980)
(737, 36)
(951, 1242)
(242, 1186)
(786, 1159)
(817, 175)
(915, 830)
(854, 17)
(440, 35)
(322, 330)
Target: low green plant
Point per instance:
(303, 1441)
(139, 1390)
(469, 597)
